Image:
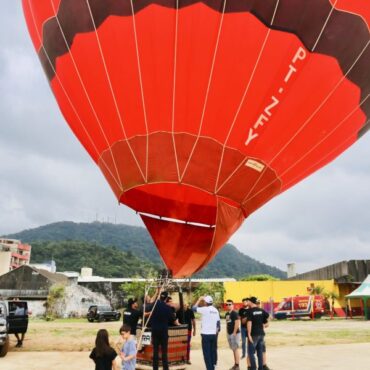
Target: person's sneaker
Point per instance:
(19, 344)
(265, 367)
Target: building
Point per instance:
(339, 279)
(32, 284)
(13, 254)
(27, 282)
(353, 271)
(272, 292)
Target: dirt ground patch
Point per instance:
(331, 357)
(79, 335)
(336, 344)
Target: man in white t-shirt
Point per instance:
(210, 323)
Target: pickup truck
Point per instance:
(13, 319)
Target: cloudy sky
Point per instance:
(46, 176)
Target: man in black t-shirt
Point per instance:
(189, 319)
(233, 331)
(132, 315)
(243, 312)
(256, 320)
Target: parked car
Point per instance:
(13, 319)
(301, 306)
(102, 313)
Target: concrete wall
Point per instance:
(353, 270)
(5, 258)
(275, 290)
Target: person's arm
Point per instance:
(195, 306)
(236, 326)
(266, 320)
(194, 326)
(92, 355)
(131, 352)
(243, 319)
(249, 330)
(176, 322)
(155, 295)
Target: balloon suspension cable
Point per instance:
(163, 281)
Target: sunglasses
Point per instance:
(229, 304)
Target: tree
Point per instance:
(259, 277)
(133, 289)
(216, 290)
(54, 301)
(136, 289)
(317, 290)
(331, 296)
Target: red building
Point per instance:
(13, 254)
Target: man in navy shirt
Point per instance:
(162, 316)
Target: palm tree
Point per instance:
(315, 290)
(331, 296)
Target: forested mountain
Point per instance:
(105, 261)
(73, 246)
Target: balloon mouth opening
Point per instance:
(175, 220)
(174, 202)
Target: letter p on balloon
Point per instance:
(300, 54)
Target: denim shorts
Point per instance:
(234, 341)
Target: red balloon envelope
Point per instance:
(199, 112)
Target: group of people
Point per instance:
(244, 328)
(158, 314)
(104, 355)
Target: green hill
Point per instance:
(134, 241)
(105, 261)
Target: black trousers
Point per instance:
(160, 338)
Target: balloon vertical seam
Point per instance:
(112, 92)
(324, 26)
(85, 91)
(141, 89)
(66, 94)
(174, 89)
(207, 91)
(217, 189)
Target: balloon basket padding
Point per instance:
(177, 349)
(150, 367)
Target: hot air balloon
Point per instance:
(199, 112)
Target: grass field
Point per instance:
(79, 335)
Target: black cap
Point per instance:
(164, 295)
(131, 301)
(254, 300)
